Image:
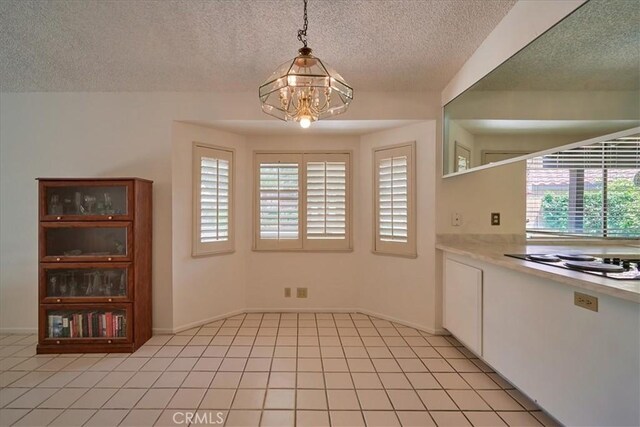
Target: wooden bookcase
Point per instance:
(94, 265)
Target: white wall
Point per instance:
(211, 286)
(395, 287)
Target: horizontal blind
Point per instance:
(586, 191)
(326, 200)
(393, 199)
(279, 200)
(214, 200)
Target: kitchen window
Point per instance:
(394, 201)
(302, 201)
(212, 200)
(586, 191)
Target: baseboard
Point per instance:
(301, 310)
(404, 322)
(19, 331)
(201, 322)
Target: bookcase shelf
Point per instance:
(95, 265)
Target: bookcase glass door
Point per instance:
(87, 200)
(86, 282)
(86, 241)
(86, 323)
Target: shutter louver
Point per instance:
(393, 199)
(214, 200)
(279, 201)
(326, 200)
(586, 191)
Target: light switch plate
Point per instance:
(456, 219)
(287, 292)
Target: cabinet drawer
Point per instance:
(86, 283)
(85, 323)
(86, 241)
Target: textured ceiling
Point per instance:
(595, 48)
(234, 45)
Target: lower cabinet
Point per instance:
(463, 303)
(581, 366)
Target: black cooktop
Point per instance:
(612, 268)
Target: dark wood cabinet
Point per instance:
(95, 265)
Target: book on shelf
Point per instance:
(87, 325)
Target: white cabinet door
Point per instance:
(463, 303)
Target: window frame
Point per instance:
(302, 244)
(406, 249)
(198, 248)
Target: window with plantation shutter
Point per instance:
(394, 202)
(592, 190)
(302, 201)
(212, 178)
(327, 178)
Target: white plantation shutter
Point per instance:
(592, 190)
(214, 200)
(212, 168)
(394, 183)
(327, 201)
(393, 199)
(302, 201)
(278, 201)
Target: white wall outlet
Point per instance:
(301, 292)
(456, 219)
(287, 292)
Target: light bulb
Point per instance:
(305, 122)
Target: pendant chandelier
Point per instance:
(305, 89)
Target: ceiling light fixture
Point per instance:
(305, 89)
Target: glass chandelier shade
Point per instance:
(305, 89)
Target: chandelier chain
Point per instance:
(302, 34)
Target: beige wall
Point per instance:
(331, 278)
(501, 188)
(77, 135)
(212, 286)
(394, 287)
(132, 134)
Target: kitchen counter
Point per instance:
(493, 252)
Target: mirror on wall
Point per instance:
(577, 81)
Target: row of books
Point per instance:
(87, 325)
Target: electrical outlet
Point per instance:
(495, 218)
(301, 292)
(456, 219)
(585, 301)
(287, 292)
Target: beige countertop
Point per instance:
(493, 252)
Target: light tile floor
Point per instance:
(264, 369)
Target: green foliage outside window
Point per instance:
(623, 213)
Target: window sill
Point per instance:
(304, 250)
(393, 254)
(213, 253)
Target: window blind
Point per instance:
(214, 200)
(392, 199)
(586, 191)
(279, 200)
(326, 200)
